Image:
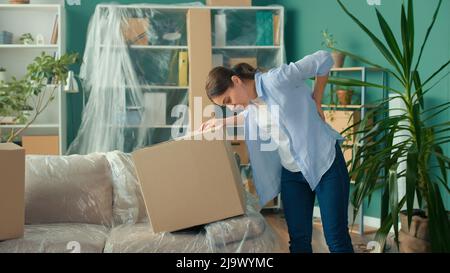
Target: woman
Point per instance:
(308, 160)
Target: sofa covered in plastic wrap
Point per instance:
(93, 203)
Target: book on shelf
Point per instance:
(276, 29)
(183, 68)
(54, 39)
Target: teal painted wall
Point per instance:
(304, 21)
(306, 18)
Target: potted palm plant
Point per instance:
(422, 149)
(19, 97)
(330, 42)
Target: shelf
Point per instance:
(19, 46)
(154, 126)
(159, 47)
(347, 106)
(13, 126)
(184, 7)
(147, 86)
(38, 7)
(355, 68)
(247, 47)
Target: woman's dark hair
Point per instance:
(219, 78)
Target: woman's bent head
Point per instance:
(233, 87)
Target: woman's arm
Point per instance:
(319, 88)
(219, 122)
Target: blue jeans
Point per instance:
(332, 193)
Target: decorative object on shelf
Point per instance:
(220, 29)
(330, 42)
(183, 68)
(19, 1)
(155, 104)
(71, 85)
(54, 38)
(165, 28)
(264, 28)
(135, 31)
(16, 94)
(251, 61)
(172, 36)
(217, 60)
(134, 114)
(26, 39)
(6, 37)
(3, 75)
(344, 95)
(421, 148)
(40, 39)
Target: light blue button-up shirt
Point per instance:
(312, 140)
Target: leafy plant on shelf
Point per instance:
(422, 137)
(32, 92)
(26, 38)
(328, 39)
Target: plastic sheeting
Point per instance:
(69, 203)
(135, 75)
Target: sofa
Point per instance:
(93, 203)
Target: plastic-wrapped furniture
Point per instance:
(92, 203)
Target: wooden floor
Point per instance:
(278, 224)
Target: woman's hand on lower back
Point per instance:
(320, 111)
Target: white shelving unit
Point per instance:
(35, 19)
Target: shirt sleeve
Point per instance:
(316, 64)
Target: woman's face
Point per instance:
(235, 97)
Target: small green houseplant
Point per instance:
(19, 96)
(330, 42)
(26, 39)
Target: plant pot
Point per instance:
(416, 239)
(19, 1)
(344, 96)
(338, 59)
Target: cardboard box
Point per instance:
(251, 61)
(135, 31)
(234, 3)
(12, 191)
(340, 120)
(186, 183)
(41, 145)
